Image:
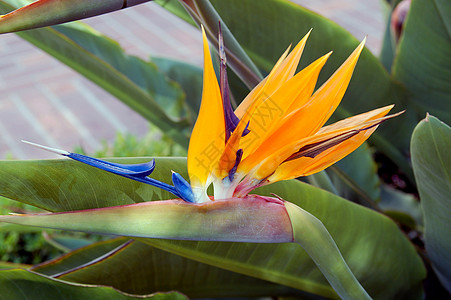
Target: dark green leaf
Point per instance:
(355, 177)
(400, 206)
(423, 62)
(189, 77)
(431, 143)
(67, 243)
(141, 269)
(177, 9)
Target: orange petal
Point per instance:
(307, 119)
(357, 129)
(266, 118)
(306, 166)
(283, 70)
(207, 139)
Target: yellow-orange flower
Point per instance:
(280, 134)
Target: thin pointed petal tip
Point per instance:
(53, 150)
(182, 187)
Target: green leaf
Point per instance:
(423, 62)
(7, 265)
(67, 243)
(375, 253)
(400, 206)
(79, 257)
(314, 238)
(177, 9)
(431, 161)
(355, 177)
(137, 83)
(389, 43)
(188, 76)
(138, 268)
(374, 248)
(23, 284)
(323, 181)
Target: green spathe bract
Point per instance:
(253, 219)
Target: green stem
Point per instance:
(310, 233)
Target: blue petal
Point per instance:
(182, 187)
(239, 155)
(139, 170)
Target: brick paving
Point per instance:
(44, 101)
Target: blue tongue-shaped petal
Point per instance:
(138, 172)
(182, 187)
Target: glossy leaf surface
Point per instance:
(426, 40)
(431, 161)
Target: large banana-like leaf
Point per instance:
(431, 161)
(23, 284)
(426, 41)
(373, 246)
(137, 268)
(136, 82)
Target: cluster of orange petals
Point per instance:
(289, 140)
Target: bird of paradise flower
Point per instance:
(276, 133)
